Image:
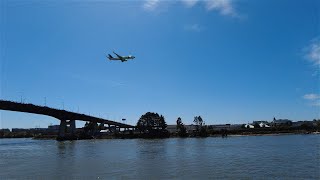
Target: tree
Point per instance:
(162, 123)
(91, 128)
(182, 131)
(179, 123)
(200, 125)
(151, 121)
(318, 123)
(198, 122)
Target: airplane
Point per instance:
(121, 58)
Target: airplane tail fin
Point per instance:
(109, 56)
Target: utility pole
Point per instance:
(45, 101)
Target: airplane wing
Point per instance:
(112, 58)
(120, 57)
(109, 56)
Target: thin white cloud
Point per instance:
(194, 28)
(313, 51)
(189, 3)
(151, 5)
(311, 96)
(225, 7)
(314, 99)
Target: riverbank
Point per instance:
(140, 136)
(273, 134)
(136, 135)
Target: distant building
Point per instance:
(304, 123)
(248, 126)
(53, 128)
(219, 127)
(172, 128)
(190, 128)
(38, 130)
(262, 124)
(281, 122)
(265, 122)
(16, 130)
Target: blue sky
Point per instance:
(230, 61)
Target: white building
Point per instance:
(248, 126)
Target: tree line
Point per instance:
(153, 124)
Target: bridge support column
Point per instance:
(67, 130)
(72, 124)
(62, 129)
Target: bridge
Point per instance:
(66, 118)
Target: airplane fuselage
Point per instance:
(120, 58)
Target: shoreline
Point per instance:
(54, 137)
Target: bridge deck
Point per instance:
(56, 113)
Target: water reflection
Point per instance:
(151, 149)
(63, 159)
(175, 158)
(66, 147)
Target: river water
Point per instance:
(247, 157)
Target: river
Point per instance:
(246, 157)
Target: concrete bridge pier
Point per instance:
(65, 126)
(72, 125)
(62, 129)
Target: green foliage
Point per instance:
(91, 128)
(198, 122)
(151, 121)
(306, 126)
(182, 131)
(203, 131)
(200, 125)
